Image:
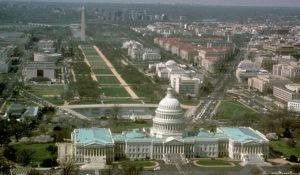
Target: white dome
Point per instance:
(168, 120)
(171, 63)
(169, 103)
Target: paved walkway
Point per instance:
(210, 166)
(73, 73)
(282, 161)
(117, 75)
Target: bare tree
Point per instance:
(68, 166)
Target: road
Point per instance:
(208, 105)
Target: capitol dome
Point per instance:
(168, 120)
(169, 102)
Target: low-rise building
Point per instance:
(5, 62)
(247, 69)
(40, 69)
(46, 46)
(264, 83)
(287, 93)
(289, 70)
(186, 83)
(46, 57)
(294, 105)
(151, 55)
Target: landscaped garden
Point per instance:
(40, 150)
(107, 80)
(102, 71)
(115, 92)
(51, 93)
(228, 109)
(282, 146)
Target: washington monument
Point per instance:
(82, 24)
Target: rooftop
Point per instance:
(241, 134)
(93, 135)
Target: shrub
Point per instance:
(24, 156)
(10, 153)
(293, 158)
(49, 163)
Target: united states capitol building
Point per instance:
(166, 138)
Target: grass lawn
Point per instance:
(285, 149)
(108, 80)
(40, 150)
(46, 90)
(229, 108)
(128, 126)
(97, 64)
(103, 71)
(115, 92)
(56, 101)
(213, 163)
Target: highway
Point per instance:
(208, 105)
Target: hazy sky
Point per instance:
(278, 3)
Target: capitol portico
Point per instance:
(166, 138)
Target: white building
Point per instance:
(46, 57)
(151, 56)
(294, 105)
(46, 46)
(5, 64)
(186, 83)
(166, 138)
(136, 51)
(247, 69)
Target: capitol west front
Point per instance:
(167, 137)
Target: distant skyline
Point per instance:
(271, 3)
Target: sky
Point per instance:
(272, 3)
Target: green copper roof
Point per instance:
(241, 134)
(95, 135)
(135, 135)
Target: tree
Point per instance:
(24, 155)
(293, 158)
(68, 167)
(49, 163)
(4, 164)
(52, 149)
(4, 132)
(10, 153)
